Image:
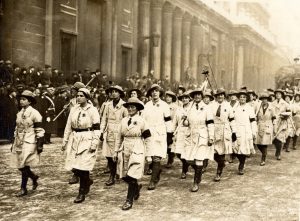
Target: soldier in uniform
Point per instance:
(200, 136)
(265, 130)
(282, 113)
(81, 140)
(111, 119)
(48, 113)
(181, 125)
(170, 98)
(130, 149)
(60, 101)
(246, 129)
(225, 131)
(28, 142)
(157, 116)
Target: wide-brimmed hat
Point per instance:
(136, 102)
(233, 92)
(207, 93)
(28, 95)
(280, 91)
(289, 93)
(264, 95)
(251, 92)
(62, 89)
(86, 92)
(171, 94)
(115, 87)
(182, 88)
(139, 93)
(78, 85)
(297, 93)
(220, 91)
(196, 91)
(153, 87)
(185, 94)
(243, 92)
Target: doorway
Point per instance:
(68, 53)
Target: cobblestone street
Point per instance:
(263, 193)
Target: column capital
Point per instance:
(187, 17)
(156, 3)
(178, 13)
(168, 7)
(195, 21)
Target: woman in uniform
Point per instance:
(81, 140)
(170, 98)
(200, 136)
(265, 129)
(225, 131)
(130, 149)
(291, 127)
(246, 129)
(28, 141)
(181, 128)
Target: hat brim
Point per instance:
(174, 98)
(217, 94)
(122, 94)
(243, 93)
(31, 99)
(192, 94)
(137, 105)
(264, 97)
(152, 89)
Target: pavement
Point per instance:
(269, 192)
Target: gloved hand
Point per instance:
(39, 144)
(101, 137)
(233, 137)
(169, 138)
(210, 142)
(92, 149)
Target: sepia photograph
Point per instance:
(149, 110)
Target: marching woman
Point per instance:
(246, 129)
(291, 127)
(28, 141)
(225, 131)
(282, 112)
(181, 126)
(200, 136)
(157, 116)
(81, 140)
(296, 118)
(170, 98)
(265, 130)
(130, 149)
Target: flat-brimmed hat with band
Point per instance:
(29, 96)
(136, 102)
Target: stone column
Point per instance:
(156, 24)
(106, 55)
(166, 40)
(194, 53)
(240, 64)
(176, 45)
(144, 31)
(48, 32)
(186, 41)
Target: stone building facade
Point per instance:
(173, 39)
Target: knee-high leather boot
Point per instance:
(295, 138)
(155, 177)
(82, 187)
(113, 169)
(197, 178)
(23, 191)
